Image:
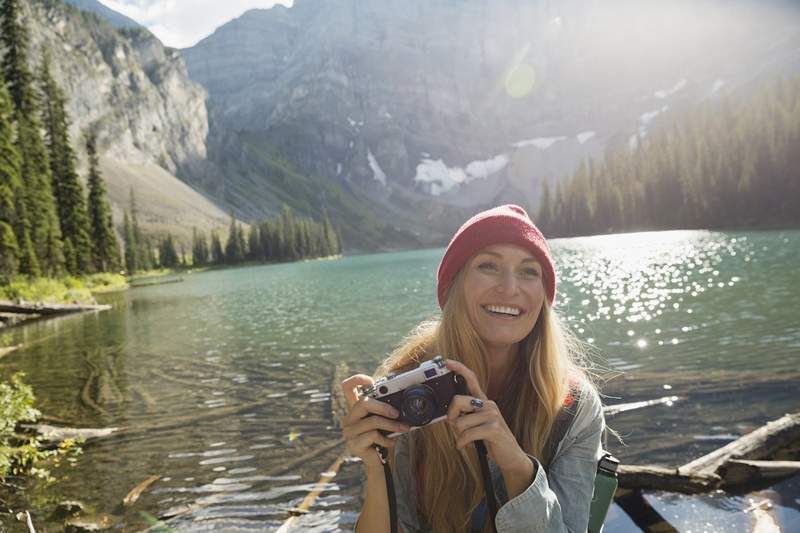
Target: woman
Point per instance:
(496, 285)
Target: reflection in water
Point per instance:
(220, 381)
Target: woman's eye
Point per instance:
(488, 266)
(530, 272)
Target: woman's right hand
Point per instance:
(366, 416)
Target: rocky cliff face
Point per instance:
(474, 102)
(137, 95)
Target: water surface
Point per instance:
(225, 377)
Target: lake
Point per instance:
(227, 375)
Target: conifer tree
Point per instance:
(67, 189)
(105, 249)
(217, 255)
(130, 244)
(39, 218)
(234, 252)
(10, 186)
(167, 255)
(144, 253)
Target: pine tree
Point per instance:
(67, 189)
(40, 223)
(217, 255)
(10, 188)
(130, 244)
(145, 259)
(167, 255)
(254, 250)
(234, 252)
(105, 249)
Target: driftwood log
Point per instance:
(44, 309)
(736, 466)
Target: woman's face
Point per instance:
(504, 293)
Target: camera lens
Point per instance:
(419, 405)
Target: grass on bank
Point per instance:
(61, 290)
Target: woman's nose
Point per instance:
(507, 283)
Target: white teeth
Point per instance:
(505, 310)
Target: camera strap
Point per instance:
(491, 500)
(383, 453)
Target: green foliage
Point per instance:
(67, 189)
(16, 405)
(36, 207)
(23, 453)
(104, 246)
(68, 289)
(733, 163)
(167, 256)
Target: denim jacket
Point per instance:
(556, 501)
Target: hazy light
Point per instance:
(520, 80)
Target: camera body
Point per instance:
(422, 395)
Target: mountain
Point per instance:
(116, 19)
(438, 107)
(150, 118)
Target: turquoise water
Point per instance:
(221, 379)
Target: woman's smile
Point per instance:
(504, 293)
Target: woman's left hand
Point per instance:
(485, 423)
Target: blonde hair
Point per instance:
(548, 357)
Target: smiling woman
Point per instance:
(530, 402)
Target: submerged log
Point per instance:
(611, 410)
(762, 443)
(736, 473)
(45, 309)
(736, 465)
(137, 491)
(8, 349)
(668, 479)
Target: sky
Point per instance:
(181, 23)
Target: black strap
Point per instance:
(488, 486)
(491, 500)
(383, 453)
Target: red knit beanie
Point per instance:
(506, 224)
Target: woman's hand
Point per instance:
(487, 424)
(366, 417)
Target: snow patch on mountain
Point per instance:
(542, 143)
(663, 93)
(377, 171)
(717, 86)
(439, 177)
(584, 136)
(484, 169)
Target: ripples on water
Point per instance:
(227, 376)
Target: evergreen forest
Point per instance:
(729, 163)
(49, 226)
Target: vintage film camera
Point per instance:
(421, 395)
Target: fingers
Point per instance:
(366, 406)
(350, 387)
(463, 404)
(362, 446)
(372, 423)
(469, 376)
(483, 432)
(466, 422)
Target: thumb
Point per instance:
(350, 387)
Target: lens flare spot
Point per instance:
(641, 343)
(520, 80)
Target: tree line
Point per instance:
(48, 225)
(284, 238)
(730, 163)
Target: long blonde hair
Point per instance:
(548, 357)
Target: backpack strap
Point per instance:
(562, 424)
